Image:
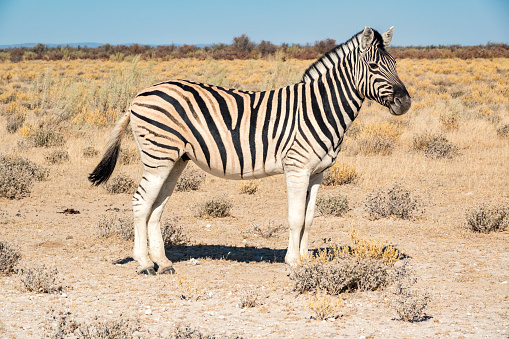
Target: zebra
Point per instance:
(295, 130)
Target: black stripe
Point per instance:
(265, 128)
(156, 157)
(307, 121)
(183, 115)
(252, 127)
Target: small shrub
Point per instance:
(434, 146)
(339, 175)
(17, 176)
(121, 184)
(40, 279)
(113, 224)
(449, 121)
(336, 205)
(108, 329)
(190, 180)
(408, 303)
(57, 157)
(218, 207)
(46, 138)
(486, 219)
(341, 275)
(503, 131)
(187, 290)
(249, 298)
(60, 324)
(249, 186)
(376, 144)
(324, 306)
(173, 234)
(187, 332)
(268, 232)
(90, 152)
(14, 122)
(367, 248)
(396, 201)
(9, 258)
(128, 156)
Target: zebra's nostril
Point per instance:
(397, 101)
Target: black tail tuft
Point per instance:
(103, 170)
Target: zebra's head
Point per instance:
(376, 76)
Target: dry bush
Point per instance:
(17, 175)
(342, 274)
(190, 180)
(187, 332)
(45, 137)
(62, 324)
(324, 306)
(339, 174)
(376, 144)
(249, 298)
(249, 186)
(407, 301)
(336, 205)
(449, 121)
(9, 258)
(218, 207)
(128, 156)
(114, 224)
(503, 131)
(90, 152)
(14, 122)
(40, 279)
(375, 138)
(187, 290)
(266, 232)
(434, 146)
(121, 184)
(123, 227)
(57, 157)
(173, 234)
(396, 201)
(363, 247)
(487, 219)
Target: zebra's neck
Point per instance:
(331, 59)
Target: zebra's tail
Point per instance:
(103, 170)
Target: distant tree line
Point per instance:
(242, 47)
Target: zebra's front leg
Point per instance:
(312, 192)
(297, 186)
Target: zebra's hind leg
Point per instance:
(312, 192)
(155, 239)
(143, 201)
(297, 186)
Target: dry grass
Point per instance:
(249, 186)
(340, 174)
(218, 207)
(336, 205)
(324, 306)
(121, 183)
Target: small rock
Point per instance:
(194, 261)
(148, 311)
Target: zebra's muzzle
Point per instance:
(401, 102)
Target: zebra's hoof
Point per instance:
(166, 270)
(147, 271)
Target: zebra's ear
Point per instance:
(367, 37)
(387, 36)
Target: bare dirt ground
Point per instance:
(466, 274)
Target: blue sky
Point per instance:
(425, 22)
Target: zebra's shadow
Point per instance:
(243, 254)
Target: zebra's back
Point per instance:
(229, 133)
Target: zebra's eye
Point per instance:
(373, 65)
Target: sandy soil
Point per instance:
(465, 274)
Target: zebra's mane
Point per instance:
(333, 57)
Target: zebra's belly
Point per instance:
(238, 173)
